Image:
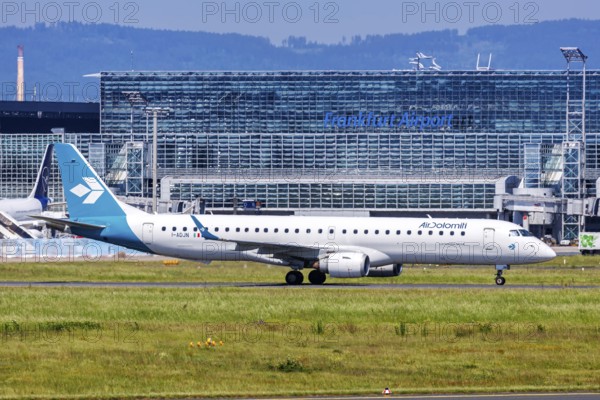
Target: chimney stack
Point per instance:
(20, 75)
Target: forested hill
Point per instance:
(65, 52)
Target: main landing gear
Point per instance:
(294, 278)
(315, 277)
(499, 278)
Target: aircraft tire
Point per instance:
(317, 277)
(294, 278)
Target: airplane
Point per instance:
(341, 247)
(14, 213)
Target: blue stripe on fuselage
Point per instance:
(203, 231)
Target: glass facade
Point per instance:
(366, 128)
(292, 196)
(20, 158)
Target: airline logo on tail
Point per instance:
(93, 191)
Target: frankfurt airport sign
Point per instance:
(372, 120)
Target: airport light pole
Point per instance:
(155, 112)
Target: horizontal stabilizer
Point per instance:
(11, 229)
(63, 224)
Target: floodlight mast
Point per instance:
(573, 147)
(155, 111)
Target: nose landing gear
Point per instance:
(499, 278)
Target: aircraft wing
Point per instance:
(65, 224)
(286, 251)
(282, 250)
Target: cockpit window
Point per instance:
(525, 233)
(513, 233)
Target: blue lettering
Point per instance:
(361, 119)
(408, 120)
(404, 120)
(327, 119)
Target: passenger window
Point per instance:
(174, 229)
(419, 232)
(164, 228)
(366, 231)
(217, 229)
(397, 232)
(266, 230)
(195, 229)
(441, 233)
(451, 233)
(226, 229)
(246, 229)
(276, 230)
(331, 232)
(408, 232)
(237, 229)
(256, 230)
(377, 231)
(356, 231)
(387, 232)
(308, 231)
(320, 230)
(297, 230)
(430, 233)
(344, 231)
(462, 234)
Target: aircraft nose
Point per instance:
(546, 253)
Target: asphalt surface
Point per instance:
(326, 286)
(512, 396)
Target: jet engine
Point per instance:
(345, 265)
(386, 271)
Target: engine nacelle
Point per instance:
(346, 265)
(386, 271)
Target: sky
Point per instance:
(322, 21)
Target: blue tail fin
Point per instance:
(40, 190)
(86, 194)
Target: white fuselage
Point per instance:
(384, 240)
(21, 209)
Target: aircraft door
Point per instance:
(488, 238)
(148, 233)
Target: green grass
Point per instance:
(115, 343)
(563, 271)
(119, 343)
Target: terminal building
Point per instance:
(26, 128)
(453, 143)
(517, 145)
